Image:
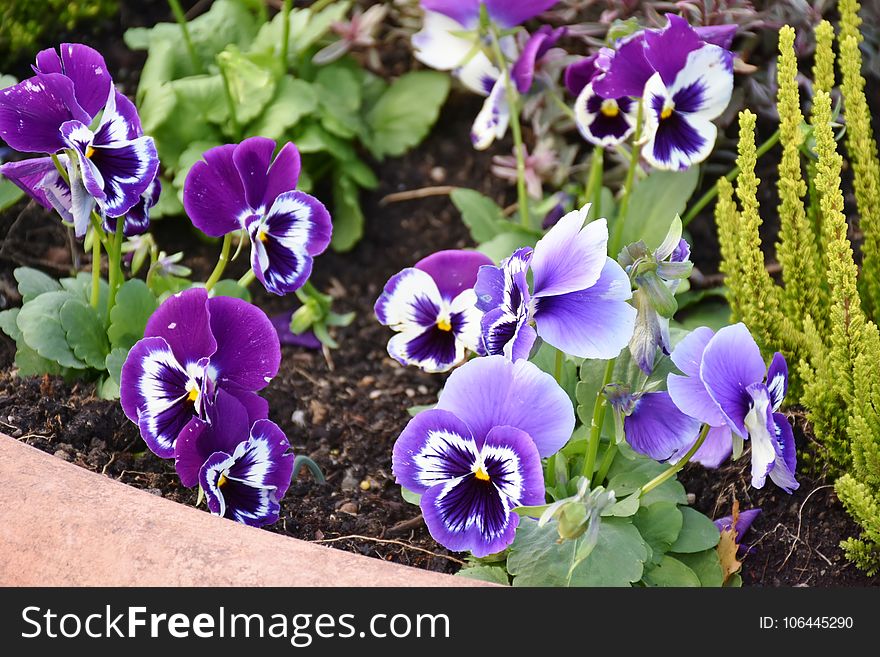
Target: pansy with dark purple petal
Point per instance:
(137, 220)
(503, 13)
(535, 49)
(578, 301)
(727, 386)
(240, 186)
(605, 121)
(656, 428)
(432, 307)
(477, 455)
(744, 522)
(192, 347)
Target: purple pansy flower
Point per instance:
(240, 186)
(655, 427)
(243, 466)
(432, 306)
(535, 50)
(193, 346)
(477, 455)
(727, 386)
(605, 121)
(504, 13)
(111, 167)
(744, 522)
(578, 301)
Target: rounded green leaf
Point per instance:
(670, 572)
(85, 332)
(32, 283)
(659, 524)
(128, 319)
(40, 323)
(698, 533)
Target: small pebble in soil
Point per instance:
(375, 394)
(154, 491)
(60, 453)
(691, 498)
(351, 508)
(410, 393)
(365, 485)
(438, 174)
(298, 417)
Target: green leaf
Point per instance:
(339, 96)
(537, 559)
(8, 323)
(114, 362)
(706, 565)
(81, 287)
(494, 574)
(545, 359)
(480, 214)
(128, 319)
(293, 100)
(108, 388)
(230, 288)
(9, 192)
(698, 533)
(713, 312)
(32, 283)
(409, 496)
(670, 572)
(504, 244)
(359, 172)
(348, 218)
(30, 363)
(654, 203)
(251, 84)
(85, 332)
(40, 323)
(659, 524)
(405, 112)
(632, 471)
(624, 508)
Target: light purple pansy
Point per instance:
(533, 52)
(243, 466)
(726, 385)
(240, 186)
(477, 455)
(192, 347)
(743, 523)
(656, 428)
(432, 307)
(504, 13)
(578, 300)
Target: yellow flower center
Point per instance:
(481, 474)
(221, 481)
(90, 151)
(668, 106)
(609, 108)
(262, 235)
(444, 324)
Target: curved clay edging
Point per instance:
(63, 525)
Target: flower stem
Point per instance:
(180, 17)
(222, 261)
(635, 157)
(60, 168)
(594, 181)
(596, 425)
(95, 298)
(233, 118)
(114, 260)
(558, 368)
(706, 198)
(285, 33)
(515, 127)
(670, 472)
(605, 466)
(247, 278)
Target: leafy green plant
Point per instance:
(230, 74)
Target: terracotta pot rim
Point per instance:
(111, 534)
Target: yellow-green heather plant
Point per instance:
(818, 317)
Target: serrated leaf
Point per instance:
(251, 83)
(85, 332)
(494, 574)
(30, 363)
(8, 323)
(705, 564)
(293, 100)
(670, 572)
(40, 325)
(114, 362)
(659, 524)
(405, 112)
(480, 214)
(504, 244)
(32, 283)
(128, 319)
(339, 96)
(698, 533)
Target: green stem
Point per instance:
(285, 33)
(61, 170)
(561, 104)
(558, 369)
(596, 425)
(635, 157)
(605, 466)
(222, 261)
(180, 17)
(516, 129)
(706, 198)
(233, 117)
(594, 181)
(301, 462)
(96, 272)
(248, 278)
(114, 258)
(669, 473)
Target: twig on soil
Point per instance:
(356, 537)
(415, 194)
(406, 525)
(797, 538)
(107, 465)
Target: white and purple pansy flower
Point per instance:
(243, 466)
(605, 121)
(578, 300)
(240, 186)
(655, 427)
(726, 385)
(432, 306)
(192, 347)
(477, 455)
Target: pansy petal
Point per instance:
(716, 449)
(523, 71)
(628, 70)
(777, 380)
(478, 74)
(498, 329)
(510, 14)
(435, 447)
(571, 256)
(248, 352)
(593, 323)
(409, 301)
(211, 475)
(743, 522)
(493, 391)
(656, 428)
(183, 321)
(506, 285)
(453, 270)
(465, 319)
(252, 506)
(213, 194)
(91, 80)
(783, 472)
(307, 339)
(264, 461)
(81, 200)
(678, 141)
(604, 121)
(137, 219)
(688, 354)
(580, 74)
(705, 84)
(513, 464)
(430, 349)
(762, 433)
(668, 49)
(32, 111)
(463, 12)
(283, 174)
(29, 176)
(435, 44)
(492, 121)
(691, 397)
(128, 169)
(257, 407)
(731, 362)
(252, 157)
(119, 121)
(720, 35)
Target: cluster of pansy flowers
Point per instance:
(191, 383)
(476, 455)
(664, 86)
